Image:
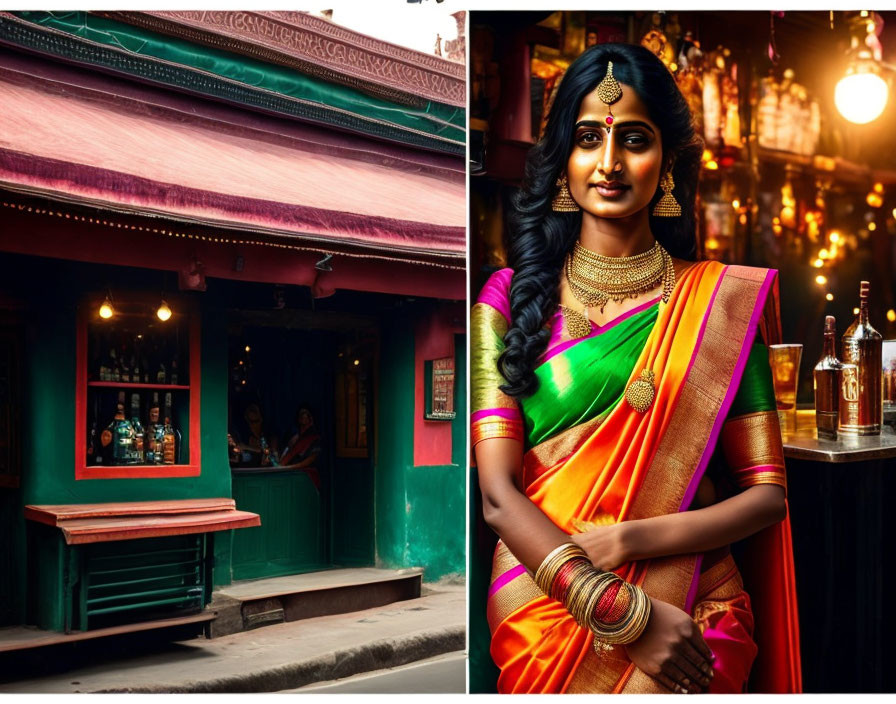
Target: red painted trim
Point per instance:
(62, 238)
(433, 338)
(82, 471)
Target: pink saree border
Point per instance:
(510, 413)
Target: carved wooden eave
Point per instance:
(315, 47)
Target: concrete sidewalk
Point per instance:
(285, 656)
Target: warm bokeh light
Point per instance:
(874, 200)
(824, 254)
(821, 279)
(164, 312)
(891, 315)
(712, 165)
(712, 243)
(735, 204)
(830, 296)
(248, 349)
(878, 187)
(818, 263)
(872, 226)
(855, 311)
(106, 310)
(861, 97)
(835, 236)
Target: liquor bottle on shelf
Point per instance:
(123, 361)
(115, 374)
(136, 376)
(863, 347)
(169, 436)
(827, 375)
(93, 457)
(120, 435)
(154, 433)
(137, 449)
(174, 376)
(161, 374)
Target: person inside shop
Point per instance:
(303, 448)
(248, 444)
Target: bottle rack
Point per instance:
(139, 367)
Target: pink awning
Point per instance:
(97, 140)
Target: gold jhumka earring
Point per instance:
(563, 201)
(609, 92)
(667, 206)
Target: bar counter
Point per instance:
(844, 527)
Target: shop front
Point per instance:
(221, 320)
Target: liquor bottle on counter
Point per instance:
(169, 436)
(863, 347)
(827, 374)
(120, 435)
(137, 449)
(154, 433)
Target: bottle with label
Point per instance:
(161, 374)
(137, 449)
(862, 347)
(154, 433)
(119, 435)
(827, 376)
(169, 436)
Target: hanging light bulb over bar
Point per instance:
(106, 310)
(862, 94)
(164, 312)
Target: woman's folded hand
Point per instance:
(607, 547)
(672, 650)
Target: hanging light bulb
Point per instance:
(830, 296)
(862, 94)
(106, 309)
(821, 279)
(164, 312)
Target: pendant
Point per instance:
(641, 392)
(577, 324)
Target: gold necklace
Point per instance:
(595, 279)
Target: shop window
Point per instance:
(137, 395)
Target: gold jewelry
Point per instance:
(577, 324)
(641, 392)
(609, 92)
(547, 570)
(667, 206)
(563, 201)
(595, 279)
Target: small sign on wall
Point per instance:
(439, 389)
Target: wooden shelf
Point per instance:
(132, 385)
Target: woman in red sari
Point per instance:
(624, 422)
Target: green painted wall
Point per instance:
(420, 511)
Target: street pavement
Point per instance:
(280, 657)
(442, 674)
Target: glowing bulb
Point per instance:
(872, 226)
(830, 296)
(861, 97)
(712, 243)
(707, 155)
(878, 188)
(835, 236)
(356, 362)
(248, 348)
(855, 311)
(673, 67)
(874, 200)
(735, 204)
(106, 309)
(824, 254)
(818, 263)
(164, 312)
(821, 279)
(891, 315)
(712, 165)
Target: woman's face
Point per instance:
(615, 174)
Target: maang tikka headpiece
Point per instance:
(609, 92)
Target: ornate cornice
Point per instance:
(315, 45)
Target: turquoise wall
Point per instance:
(420, 511)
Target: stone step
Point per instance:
(253, 603)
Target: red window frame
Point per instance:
(88, 312)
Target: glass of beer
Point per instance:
(785, 363)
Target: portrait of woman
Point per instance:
(623, 415)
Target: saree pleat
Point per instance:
(623, 465)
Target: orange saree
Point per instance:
(625, 465)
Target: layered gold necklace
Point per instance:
(595, 280)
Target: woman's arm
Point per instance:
(671, 649)
(700, 530)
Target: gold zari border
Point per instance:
(488, 429)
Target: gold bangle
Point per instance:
(547, 571)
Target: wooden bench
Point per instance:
(118, 560)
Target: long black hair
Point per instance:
(541, 238)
